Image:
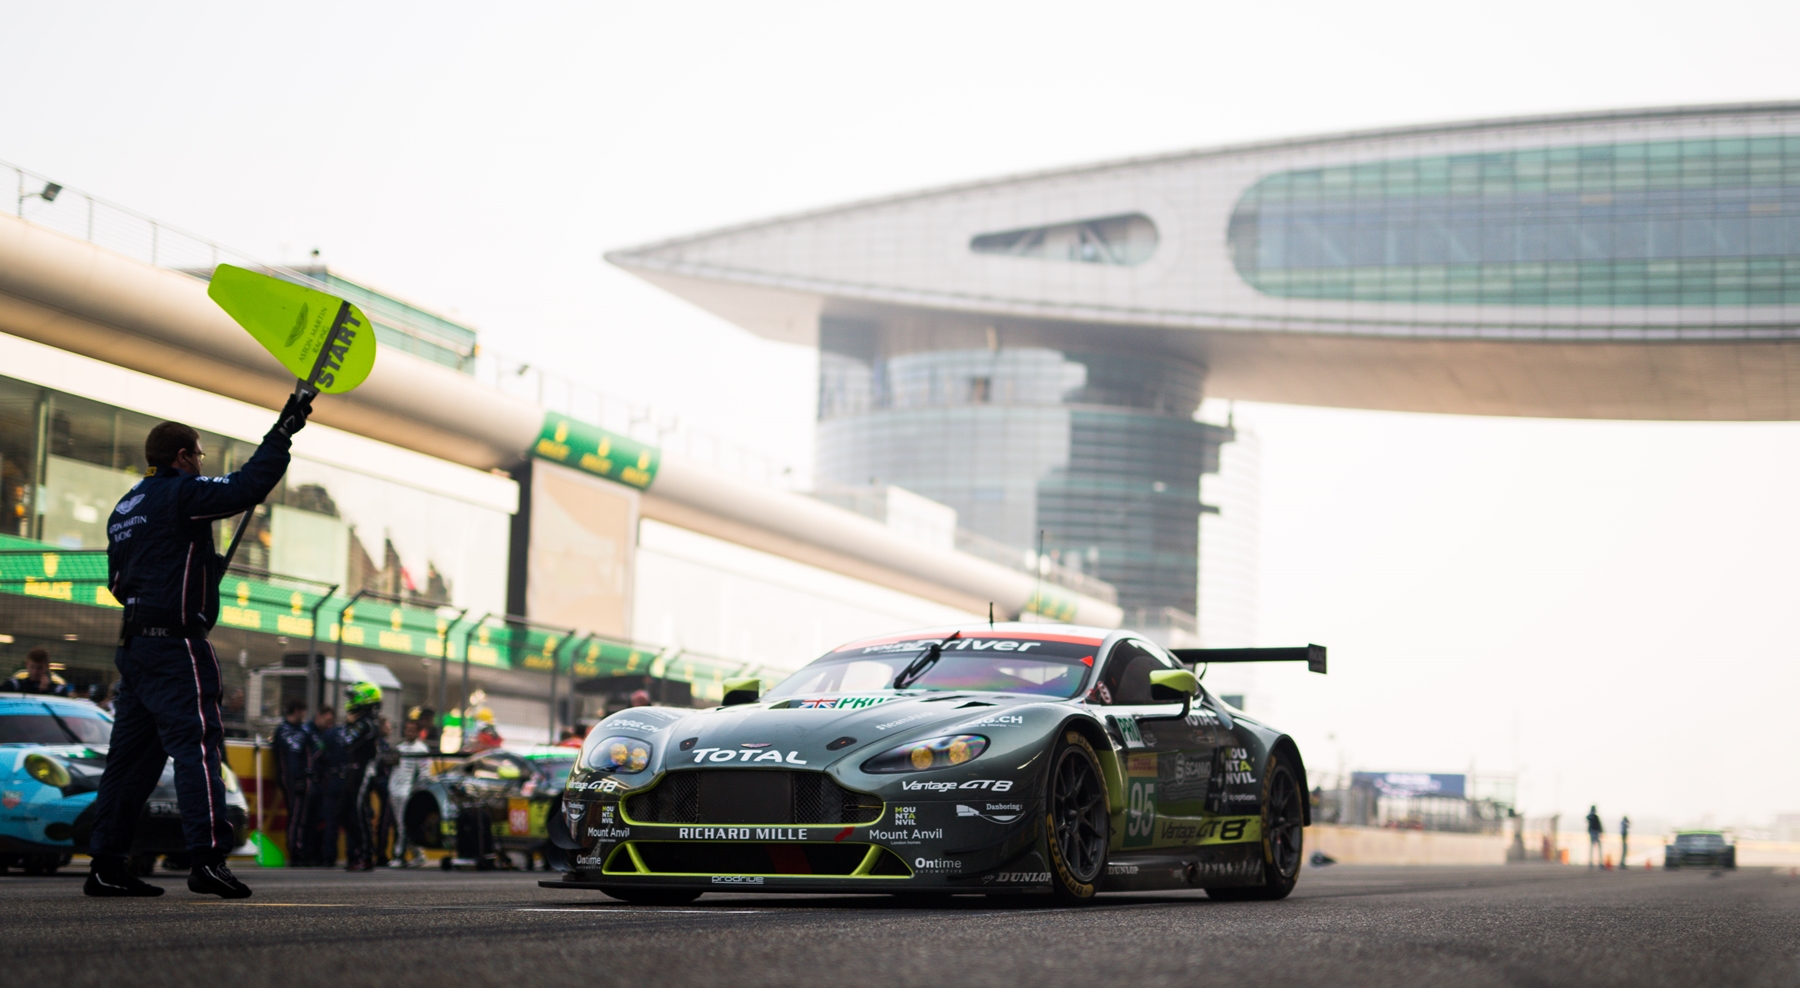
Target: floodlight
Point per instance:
(51, 189)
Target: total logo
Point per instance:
(992, 785)
(746, 755)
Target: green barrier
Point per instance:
(278, 606)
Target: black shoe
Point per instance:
(119, 884)
(216, 879)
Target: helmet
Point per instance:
(362, 695)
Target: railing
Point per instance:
(125, 231)
(530, 382)
(982, 547)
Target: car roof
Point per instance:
(1711, 833)
(1084, 634)
(59, 701)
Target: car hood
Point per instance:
(822, 731)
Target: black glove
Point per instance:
(293, 415)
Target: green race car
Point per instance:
(486, 805)
(1700, 849)
(1007, 759)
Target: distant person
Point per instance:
(572, 737)
(413, 769)
(487, 738)
(293, 745)
(376, 782)
(100, 695)
(36, 677)
(321, 836)
(640, 698)
(1595, 831)
(352, 748)
(1624, 839)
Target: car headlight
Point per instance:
(923, 756)
(231, 780)
(48, 770)
(618, 754)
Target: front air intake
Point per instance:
(738, 796)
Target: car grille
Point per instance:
(752, 858)
(751, 796)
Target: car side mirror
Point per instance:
(1174, 685)
(747, 690)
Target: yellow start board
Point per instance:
(320, 338)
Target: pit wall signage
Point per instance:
(78, 577)
(594, 450)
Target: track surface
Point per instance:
(1345, 925)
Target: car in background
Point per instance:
(491, 804)
(1700, 849)
(52, 753)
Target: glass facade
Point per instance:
(1688, 222)
(1098, 450)
(1124, 240)
(66, 460)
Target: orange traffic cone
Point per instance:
(1606, 863)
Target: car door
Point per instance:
(1168, 759)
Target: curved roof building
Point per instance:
(1031, 349)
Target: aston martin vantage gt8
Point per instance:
(1003, 759)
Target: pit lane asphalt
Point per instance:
(1345, 925)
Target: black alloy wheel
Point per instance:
(1283, 829)
(1077, 821)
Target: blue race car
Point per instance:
(52, 753)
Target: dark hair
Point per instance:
(39, 654)
(292, 707)
(166, 441)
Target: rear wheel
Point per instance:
(653, 897)
(1283, 829)
(1077, 821)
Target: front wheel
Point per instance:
(1077, 821)
(1283, 835)
(653, 897)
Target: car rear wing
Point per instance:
(1312, 655)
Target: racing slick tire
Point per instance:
(1077, 821)
(1283, 835)
(652, 897)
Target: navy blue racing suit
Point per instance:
(164, 571)
(293, 762)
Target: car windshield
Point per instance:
(1700, 840)
(555, 767)
(1007, 662)
(42, 723)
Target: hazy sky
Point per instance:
(1605, 606)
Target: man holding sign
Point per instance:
(165, 572)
